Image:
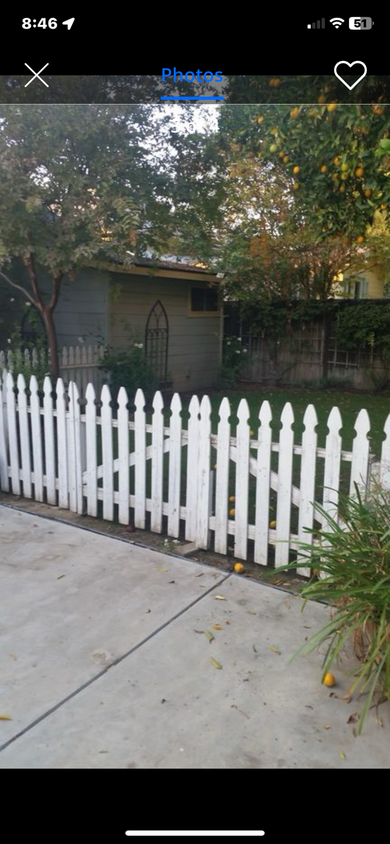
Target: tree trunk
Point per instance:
(47, 315)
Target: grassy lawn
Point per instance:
(349, 404)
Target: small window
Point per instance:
(204, 299)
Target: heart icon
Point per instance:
(350, 65)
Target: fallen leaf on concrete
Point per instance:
(275, 650)
(5, 718)
(220, 598)
(162, 571)
(251, 612)
(200, 575)
(171, 581)
(209, 636)
(103, 751)
(254, 648)
(353, 718)
(307, 706)
(326, 726)
(217, 627)
(198, 631)
(215, 663)
(61, 575)
(342, 756)
(163, 700)
(12, 656)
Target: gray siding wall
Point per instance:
(194, 342)
(82, 309)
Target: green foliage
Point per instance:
(335, 158)
(23, 364)
(304, 89)
(235, 360)
(129, 368)
(353, 557)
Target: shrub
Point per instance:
(234, 361)
(353, 558)
(130, 369)
(25, 364)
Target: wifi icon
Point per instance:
(337, 22)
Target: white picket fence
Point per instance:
(77, 363)
(91, 460)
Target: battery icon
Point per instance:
(361, 23)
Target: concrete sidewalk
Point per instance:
(104, 663)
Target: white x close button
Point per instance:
(36, 75)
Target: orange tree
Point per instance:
(336, 159)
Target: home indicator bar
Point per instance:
(166, 833)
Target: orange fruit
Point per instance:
(367, 192)
(294, 113)
(232, 512)
(321, 99)
(238, 568)
(329, 680)
(296, 186)
(260, 118)
(285, 159)
(323, 169)
(344, 176)
(274, 83)
(377, 109)
(273, 148)
(359, 239)
(272, 525)
(332, 106)
(232, 498)
(344, 167)
(296, 170)
(336, 161)
(359, 172)
(342, 188)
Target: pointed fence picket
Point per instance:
(192, 469)
(308, 480)
(140, 460)
(25, 454)
(203, 497)
(157, 464)
(175, 446)
(222, 478)
(4, 455)
(123, 458)
(264, 446)
(285, 469)
(242, 481)
(58, 450)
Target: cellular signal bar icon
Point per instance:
(317, 25)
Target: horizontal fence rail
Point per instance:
(227, 488)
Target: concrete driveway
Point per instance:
(104, 663)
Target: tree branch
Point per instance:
(29, 264)
(55, 291)
(18, 287)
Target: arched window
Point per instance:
(156, 341)
(33, 328)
